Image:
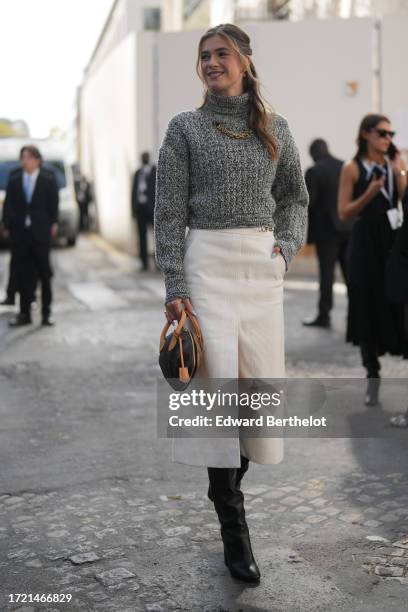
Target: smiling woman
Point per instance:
(229, 170)
(228, 70)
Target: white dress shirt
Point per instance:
(142, 183)
(34, 176)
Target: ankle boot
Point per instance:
(240, 472)
(229, 505)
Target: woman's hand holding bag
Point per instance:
(174, 309)
(181, 351)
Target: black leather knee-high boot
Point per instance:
(229, 505)
(240, 473)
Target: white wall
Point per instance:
(135, 10)
(109, 140)
(146, 94)
(303, 66)
(178, 85)
(126, 16)
(221, 12)
(172, 15)
(114, 30)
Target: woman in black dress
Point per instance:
(371, 185)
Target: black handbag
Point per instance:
(181, 351)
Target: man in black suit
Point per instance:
(12, 285)
(143, 198)
(30, 216)
(84, 198)
(326, 231)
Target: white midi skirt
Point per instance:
(236, 290)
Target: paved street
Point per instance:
(92, 506)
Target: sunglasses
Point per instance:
(384, 133)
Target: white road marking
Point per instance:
(97, 296)
(307, 285)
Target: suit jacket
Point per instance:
(151, 194)
(322, 182)
(43, 208)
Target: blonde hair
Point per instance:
(260, 113)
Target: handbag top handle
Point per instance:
(196, 327)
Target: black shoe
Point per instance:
(318, 321)
(9, 301)
(373, 387)
(229, 505)
(20, 320)
(240, 472)
(400, 420)
(47, 321)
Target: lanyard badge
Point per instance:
(395, 217)
(395, 214)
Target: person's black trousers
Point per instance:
(12, 286)
(328, 253)
(84, 216)
(33, 261)
(369, 357)
(143, 222)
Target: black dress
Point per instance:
(397, 266)
(373, 319)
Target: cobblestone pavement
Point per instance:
(91, 506)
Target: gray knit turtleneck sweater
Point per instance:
(208, 180)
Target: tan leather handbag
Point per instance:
(181, 351)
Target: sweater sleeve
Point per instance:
(291, 197)
(170, 213)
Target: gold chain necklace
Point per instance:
(237, 135)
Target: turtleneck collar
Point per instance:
(228, 105)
